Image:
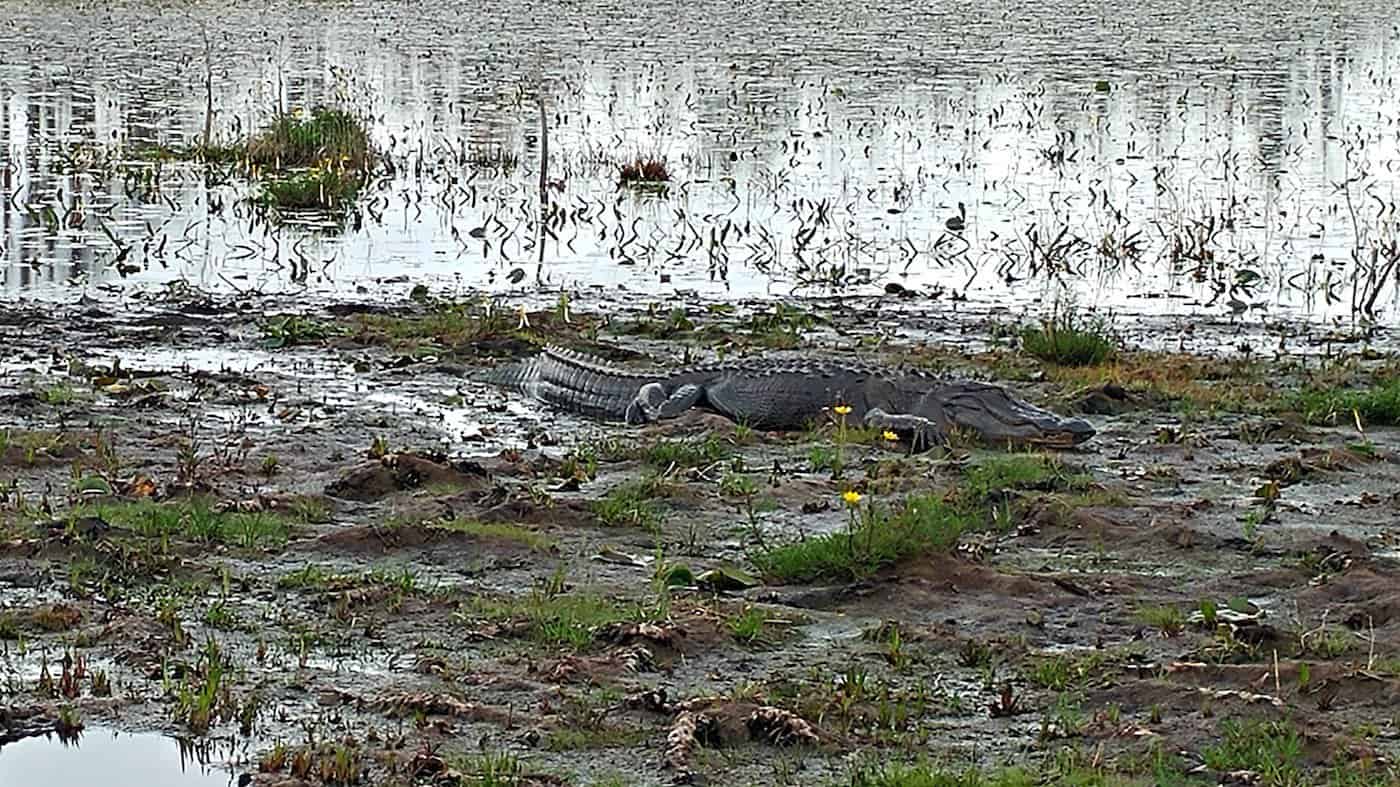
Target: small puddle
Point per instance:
(108, 757)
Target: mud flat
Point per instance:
(305, 544)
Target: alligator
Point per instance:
(776, 395)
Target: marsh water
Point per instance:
(1207, 157)
(104, 756)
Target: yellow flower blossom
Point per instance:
(851, 497)
(843, 409)
(890, 436)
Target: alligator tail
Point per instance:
(514, 376)
(571, 381)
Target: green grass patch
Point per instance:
(877, 538)
(194, 519)
(563, 619)
(491, 769)
(322, 136)
(317, 160)
(592, 738)
(1271, 749)
(31, 447)
(288, 330)
(308, 509)
(1069, 339)
(918, 775)
(674, 324)
(58, 395)
(320, 160)
(473, 327)
(998, 473)
(1064, 767)
(781, 328)
(1066, 671)
(328, 189)
(689, 452)
(1166, 618)
(750, 625)
(1378, 405)
(318, 578)
(498, 531)
(632, 504)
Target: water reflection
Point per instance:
(1240, 155)
(104, 756)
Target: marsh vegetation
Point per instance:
(250, 493)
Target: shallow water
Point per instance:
(103, 756)
(1214, 157)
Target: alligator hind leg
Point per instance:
(653, 404)
(922, 433)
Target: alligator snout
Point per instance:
(1069, 432)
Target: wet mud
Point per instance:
(342, 561)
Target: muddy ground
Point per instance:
(312, 537)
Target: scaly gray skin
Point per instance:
(777, 395)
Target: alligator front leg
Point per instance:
(652, 403)
(922, 433)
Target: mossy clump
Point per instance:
(304, 161)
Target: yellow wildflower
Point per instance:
(890, 436)
(851, 497)
(843, 409)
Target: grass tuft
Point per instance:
(1271, 749)
(689, 452)
(632, 504)
(305, 140)
(498, 531)
(194, 519)
(567, 619)
(1378, 405)
(1067, 339)
(876, 539)
(320, 188)
(995, 474)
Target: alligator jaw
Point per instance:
(1071, 433)
(998, 418)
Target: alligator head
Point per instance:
(991, 413)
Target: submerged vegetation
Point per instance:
(302, 161)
